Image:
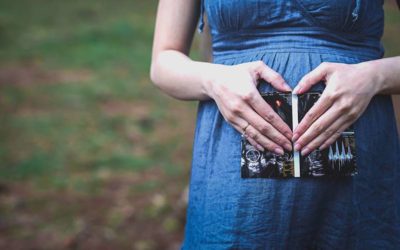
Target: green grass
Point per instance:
(391, 38)
(63, 126)
(87, 143)
(86, 139)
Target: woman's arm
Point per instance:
(171, 69)
(233, 88)
(349, 89)
(387, 73)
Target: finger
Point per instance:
(334, 130)
(234, 118)
(265, 111)
(255, 137)
(254, 134)
(255, 144)
(271, 76)
(319, 127)
(239, 128)
(335, 136)
(313, 77)
(265, 128)
(324, 102)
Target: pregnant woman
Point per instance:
(285, 45)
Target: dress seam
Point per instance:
(252, 53)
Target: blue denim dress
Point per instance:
(293, 37)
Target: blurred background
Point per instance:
(92, 155)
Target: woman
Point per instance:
(330, 46)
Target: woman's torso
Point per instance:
(344, 26)
(293, 37)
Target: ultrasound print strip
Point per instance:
(337, 160)
(258, 164)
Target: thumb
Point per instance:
(312, 78)
(273, 77)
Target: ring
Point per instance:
(244, 129)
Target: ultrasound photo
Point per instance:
(336, 160)
(266, 164)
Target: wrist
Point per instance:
(208, 76)
(376, 74)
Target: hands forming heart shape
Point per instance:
(349, 89)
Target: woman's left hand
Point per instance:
(349, 89)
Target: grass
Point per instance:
(87, 141)
(63, 118)
(91, 153)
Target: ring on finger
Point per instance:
(244, 129)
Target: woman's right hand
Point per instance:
(234, 89)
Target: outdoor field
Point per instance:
(92, 154)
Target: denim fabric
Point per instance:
(293, 37)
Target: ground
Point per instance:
(92, 155)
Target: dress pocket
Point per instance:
(339, 15)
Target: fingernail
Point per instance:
(288, 135)
(305, 151)
(288, 146)
(295, 137)
(297, 147)
(278, 151)
(259, 147)
(287, 86)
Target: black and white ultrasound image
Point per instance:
(305, 103)
(336, 160)
(257, 164)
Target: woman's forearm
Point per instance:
(387, 74)
(180, 77)
(349, 90)
(232, 87)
